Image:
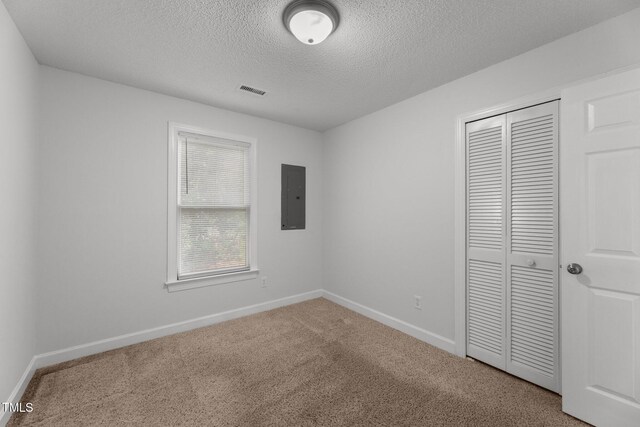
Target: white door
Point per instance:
(512, 254)
(531, 244)
(600, 217)
(486, 193)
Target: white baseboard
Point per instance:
(409, 329)
(18, 391)
(95, 347)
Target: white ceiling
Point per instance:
(383, 51)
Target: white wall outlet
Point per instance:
(417, 302)
(263, 282)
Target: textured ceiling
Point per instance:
(382, 52)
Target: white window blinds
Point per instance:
(213, 206)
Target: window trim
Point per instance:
(173, 283)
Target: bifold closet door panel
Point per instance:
(532, 245)
(486, 230)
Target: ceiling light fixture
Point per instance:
(311, 21)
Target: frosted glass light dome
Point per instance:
(310, 26)
(310, 21)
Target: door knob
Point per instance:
(574, 268)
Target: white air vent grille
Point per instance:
(253, 90)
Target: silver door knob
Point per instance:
(574, 268)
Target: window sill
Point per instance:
(201, 282)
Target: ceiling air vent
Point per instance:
(253, 90)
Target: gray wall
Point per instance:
(103, 211)
(389, 176)
(18, 123)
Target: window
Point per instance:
(212, 213)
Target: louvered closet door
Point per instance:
(486, 194)
(532, 245)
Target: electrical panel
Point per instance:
(293, 197)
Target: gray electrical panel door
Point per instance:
(293, 197)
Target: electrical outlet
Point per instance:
(417, 302)
(263, 282)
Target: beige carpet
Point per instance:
(313, 363)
